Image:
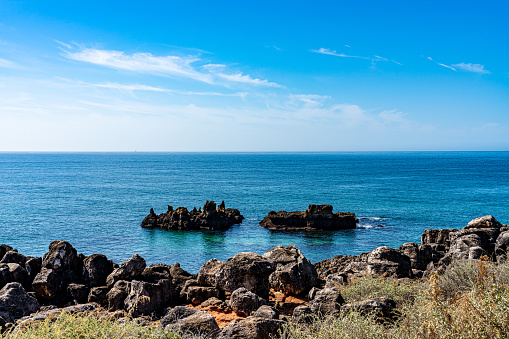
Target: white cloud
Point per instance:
(246, 79)
(392, 116)
(475, 68)
(9, 64)
(334, 53)
(134, 87)
(310, 100)
(446, 66)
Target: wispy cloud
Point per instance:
(475, 68)
(246, 79)
(334, 53)
(9, 64)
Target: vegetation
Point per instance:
(470, 300)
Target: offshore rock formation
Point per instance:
(316, 217)
(181, 219)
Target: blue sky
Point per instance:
(253, 76)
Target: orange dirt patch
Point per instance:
(223, 318)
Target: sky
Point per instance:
(254, 76)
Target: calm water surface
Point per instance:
(96, 201)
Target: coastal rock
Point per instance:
(15, 302)
(174, 314)
(191, 321)
(48, 286)
(333, 265)
(326, 301)
(381, 307)
(117, 295)
(442, 236)
(13, 257)
(146, 298)
(421, 255)
(62, 256)
(98, 295)
(267, 312)
(33, 267)
(302, 314)
(78, 293)
(96, 269)
(198, 294)
(13, 272)
(252, 328)
(244, 302)
(179, 278)
(156, 272)
(249, 270)
(294, 273)
(389, 261)
(4, 249)
(316, 217)
(128, 270)
(207, 273)
(213, 218)
(336, 280)
(502, 245)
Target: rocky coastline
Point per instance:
(247, 296)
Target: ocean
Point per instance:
(96, 201)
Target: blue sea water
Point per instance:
(96, 201)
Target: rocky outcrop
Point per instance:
(244, 302)
(326, 301)
(252, 328)
(389, 261)
(187, 320)
(146, 298)
(96, 269)
(128, 270)
(380, 307)
(210, 218)
(15, 302)
(316, 217)
(294, 273)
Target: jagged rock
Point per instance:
(380, 307)
(96, 268)
(99, 295)
(302, 314)
(502, 245)
(252, 328)
(213, 304)
(48, 285)
(190, 321)
(316, 217)
(326, 301)
(78, 293)
(294, 273)
(13, 256)
(146, 298)
(198, 294)
(389, 261)
(210, 218)
(249, 270)
(179, 278)
(335, 280)
(128, 270)
(4, 249)
(431, 236)
(488, 221)
(207, 273)
(156, 272)
(16, 303)
(333, 265)
(61, 257)
(244, 302)
(13, 272)
(33, 267)
(117, 295)
(265, 311)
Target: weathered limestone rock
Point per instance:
(326, 301)
(15, 302)
(191, 321)
(13, 272)
(267, 312)
(210, 218)
(96, 268)
(48, 285)
(13, 256)
(128, 270)
(117, 295)
(207, 273)
(431, 236)
(198, 294)
(62, 256)
(33, 267)
(252, 328)
(333, 265)
(146, 298)
(244, 302)
(316, 217)
(381, 307)
(294, 273)
(99, 295)
(78, 293)
(249, 270)
(389, 261)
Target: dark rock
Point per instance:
(333, 265)
(302, 314)
(316, 217)
(244, 302)
(13, 257)
(13, 272)
(146, 298)
(294, 273)
(502, 245)
(265, 311)
(99, 295)
(207, 273)
(190, 321)
(15, 302)
(249, 270)
(312, 293)
(431, 236)
(4, 249)
(128, 270)
(380, 307)
(389, 261)
(48, 285)
(117, 295)
(252, 328)
(78, 293)
(179, 279)
(336, 280)
(326, 301)
(210, 218)
(33, 267)
(213, 304)
(61, 257)
(96, 268)
(156, 272)
(198, 294)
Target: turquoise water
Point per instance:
(96, 201)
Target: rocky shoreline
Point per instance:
(247, 296)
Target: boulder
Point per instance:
(4, 249)
(333, 265)
(265, 311)
(502, 245)
(190, 321)
(62, 256)
(13, 272)
(128, 270)
(380, 307)
(16, 303)
(33, 267)
(488, 221)
(99, 295)
(117, 295)
(316, 217)
(198, 294)
(156, 272)
(302, 314)
(294, 273)
(336, 280)
(174, 314)
(96, 268)
(431, 236)
(219, 218)
(389, 261)
(13, 256)
(207, 273)
(326, 301)
(48, 285)
(249, 270)
(244, 302)
(146, 298)
(252, 328)
(78, 293)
